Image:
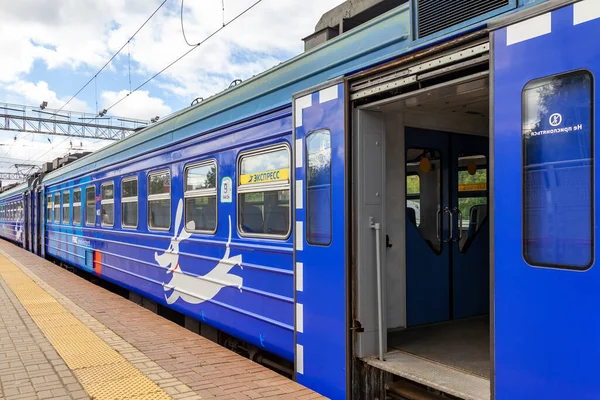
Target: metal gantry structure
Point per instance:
(75, 124)
(12, 176)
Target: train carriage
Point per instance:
(12, 214)
(406, 208)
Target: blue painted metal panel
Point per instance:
(259, 310)
(321, 326)
(546, 334)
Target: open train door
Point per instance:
(320, 298)
(546, 69)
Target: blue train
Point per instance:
(407, 208)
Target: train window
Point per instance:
(201, 197)
(107, 204)
(264, 192)
(558, 165)
(424, 194)
(129, 203)
(49, 209)
(318, 187)
(66, 207)
(90, 205)
(472, 197)
(159, 200)
(57, 207)
(413, 197)
(77, 207)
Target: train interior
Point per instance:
(422, 173)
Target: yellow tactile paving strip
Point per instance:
(103, 372)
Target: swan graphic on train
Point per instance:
(196, 289)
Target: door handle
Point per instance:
(438, 232)
(460, 223)
(447, 210)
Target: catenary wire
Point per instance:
(113, 57)
(186, 53)
(96, 74)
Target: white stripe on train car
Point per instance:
(299, 236)
(299, 359)
(299, 317)
(302, 103)
(299, 152)
(331, 93)
(529, 29)
(299, 277)
(585, 11)
(299, 195)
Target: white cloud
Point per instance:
(83, 35)
(139, 104)
(78, 37)
(34, 149)
(24, 92)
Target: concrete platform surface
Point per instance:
(62, 337)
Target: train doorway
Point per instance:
(422, 235)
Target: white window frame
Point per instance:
(49, 206)
(66, 207)
(161, 196)
(56, 208)
(130, 199)
(190, 194)
(264, 187)
(77, 204)
(107, 202)
(95, 206)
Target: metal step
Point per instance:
(405, 390)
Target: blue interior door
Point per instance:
(321, 328)
(470, 233)
(447, 228)
(428, 221)
(546, 283)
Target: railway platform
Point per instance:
(63, 337)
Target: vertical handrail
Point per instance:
(451, 222)
(377, 227)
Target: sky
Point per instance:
(52, 48)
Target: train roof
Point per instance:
(14, 191)
(379, 40)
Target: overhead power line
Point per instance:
(101, 69)
(113, 57)
(186, 53)
(183, 29)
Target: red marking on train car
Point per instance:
(97, 262)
